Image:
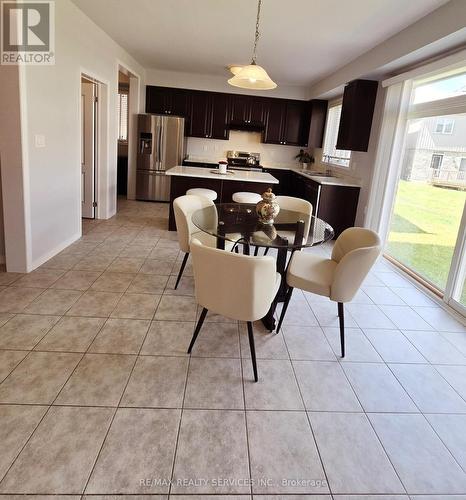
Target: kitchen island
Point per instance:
(184, 178)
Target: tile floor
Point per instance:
(98, 398)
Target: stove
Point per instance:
(243, 160)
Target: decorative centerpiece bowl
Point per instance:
(267, 209)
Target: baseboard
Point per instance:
(44, 258)
(2, 259)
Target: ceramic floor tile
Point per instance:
(421, 460)
(72, 334)
(157, 381)
(327, 315)
(369, 316)
(383, 295)
(455, 376)
(9, 360)
(440, 319)
(148, 283)
(176, 309)
(40, 278)
(357, 347)
(429, 391)
(393, 346)
(61, 262)
(377, 389)
(120, 336)
(393, 279)
(435, 348)
(159, 267)
(405, 318)
(281, 448)
(299, 313)
(170, 338)
(185, 286)
(136, 251)
(165, 253)
(457, 339)
(60, 455)
(17, 422)
(206, 438)
(269, 345)
(39, 378)
(214, 383)
(372, 280)
(126, 265)
(9, 278)
(76, 280)
(139, 445)
(99, 380)
(79, 247)
(136, 306)
(24, 331)
(353, 457)
(372, 497)
(414, 297)
(324, 386)
(218, 340)
(450, 429)
(94, 263)
(113, 282)
(53, 302)
(307, 343)
(95, 304)
(15, 299)
(263, 395)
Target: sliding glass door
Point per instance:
(427, 228)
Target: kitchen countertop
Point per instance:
(238, 175)
(321, 179)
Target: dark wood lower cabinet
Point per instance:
(223, 188)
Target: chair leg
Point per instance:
(183, 264)
(341, 317)
(288, 295)
(266, 251)
(253, 350)
(198, 329)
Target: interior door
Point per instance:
(88, 148)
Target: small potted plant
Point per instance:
(305, 158)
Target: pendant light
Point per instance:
(252, 76)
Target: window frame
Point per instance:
(443, 122)
(439, 166)
(345, 168)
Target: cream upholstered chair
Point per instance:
(184, 207)
(240, 287)
(246, 197)
(296, 205)
(339, 278)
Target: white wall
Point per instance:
(217, 84)
(51, 96)
(212, 149)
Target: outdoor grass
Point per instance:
(424, 229)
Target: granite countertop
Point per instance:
(321, 179)
(236, 175)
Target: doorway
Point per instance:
(89, 98)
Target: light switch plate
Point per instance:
(39, 140)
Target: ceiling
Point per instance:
(302, 40)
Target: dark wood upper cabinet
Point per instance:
(317, 116)
(167, 101)
(200, 115)
(211, 115)
(356, 115)
(220, 110)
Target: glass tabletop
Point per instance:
(239, 221)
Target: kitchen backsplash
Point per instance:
(271, 154)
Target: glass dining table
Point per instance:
(240, 225)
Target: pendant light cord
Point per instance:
(257, 34)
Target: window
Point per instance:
(436, 161)
(330, 154)
(442, 88)
(444, 125)
(122, 113)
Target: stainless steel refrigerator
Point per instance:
(161, 146)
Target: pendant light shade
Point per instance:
(252, 76)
